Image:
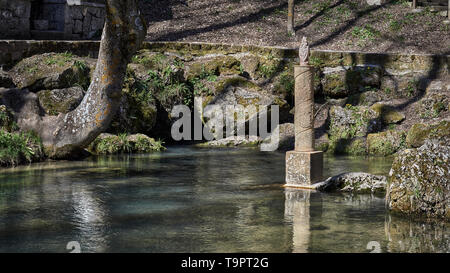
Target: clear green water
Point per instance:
(197, 200)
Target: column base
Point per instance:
(303, 168)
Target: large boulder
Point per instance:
(386, 143)
(338, 82)
(419, 181)
(420, 132)
(434, 104)
(60, 100)
(51, 71)
(387, 113)
(353, 121)
(236, 90)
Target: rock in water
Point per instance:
(419, 181)
(356, 182)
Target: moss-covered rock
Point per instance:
(51, 71)
(352, 121)
(250, 64)
(401, 85)
(143, 144)
(367, 98)
(419, 181)
(419, 132)
(433, 105)
(352, 146)
(387, 113)
(354, 183)
(341, 82)
(222, 65)
(238, 90)
(60, 100)
(386, 143)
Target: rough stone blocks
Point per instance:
(303, 168)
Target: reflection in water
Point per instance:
(297, 212)
(89, 219)
(407, 235)
(195, 200)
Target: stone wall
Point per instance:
(84, 20)
(15, 19)
(12, 51)
(51, 19)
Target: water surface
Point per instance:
(198, 200)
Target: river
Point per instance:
(190, 199)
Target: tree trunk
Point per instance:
(290, 22)
(62, 135)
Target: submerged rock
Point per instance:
(233, 141)
(419, 180)
(355, 182)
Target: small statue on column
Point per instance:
(303, 52)
(304, 164)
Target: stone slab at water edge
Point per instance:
(356, 182)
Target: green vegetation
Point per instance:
(149, 60)
(123, 143)
(287, 82)
(59, 59)
(365, 33)
(19, 147)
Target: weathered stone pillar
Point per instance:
(304, 108)
(304, 165)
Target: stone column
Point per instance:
(304, 165)
(304, 108)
